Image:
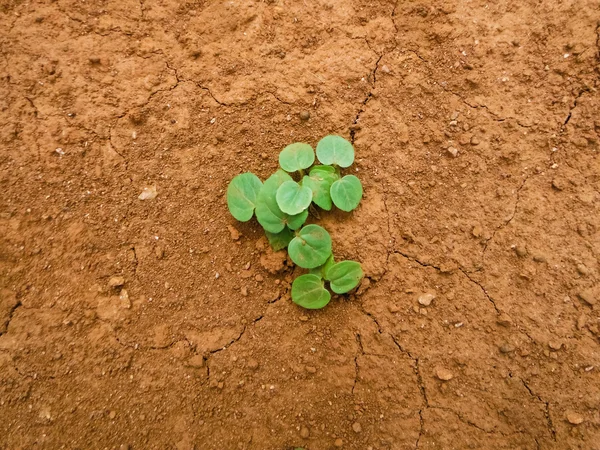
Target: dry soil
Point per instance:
(158, 324)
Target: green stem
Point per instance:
(301, 173)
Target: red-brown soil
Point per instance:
(100, 99)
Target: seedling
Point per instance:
(281, 206)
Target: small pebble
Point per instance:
(582, 269)
(476, 231)
(521, 251)
(304, 115)
(311, 369)
(426, 299)
(504, 320)
(338, 442)
(507, 348)
(112, 415)
(453, 151)
(555, 345)
(303, 318)
(558, 184)
(539, 258)
(581, 321)
(116, 282)
(356, 427)
(443, 374)
(253, 364)
(475, 140)
(587, 296)
(304, 433)
(148, 193)
(573, 417)
(235, 234)
(244, 291)
(259, 278)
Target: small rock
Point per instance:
(587, 296)
(581, 321)
(555, 345)
(235, 234)
(159, 252)
(521, 251)
(558, 184)
(582, 269)
(443, 374)
(476, 231)
(356, 427)
(124, 447)
(452, 151)
(573, 417)
(475, 140)
(259, 278)
(426, 299)
(385, 69)
(112, 415)
(507, 348)
(196, 361)
(148, 193)
(304, 115)
(539, 258)
(303, 318)
(304, 433)
(115, 282)
(504, 320)
(338, 442)
(252, 364)
(124, 298)
(311, 369)
(244, 291)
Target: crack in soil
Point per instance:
(572, 108)
(507, 222)
(546, 404)
(356, 365)
(11, 314)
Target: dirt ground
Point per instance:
(159, 324)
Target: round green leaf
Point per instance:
(308, 291)
(311, 247)
(344, 276)
(296, 221)
(242, 193)
(280, 240)
(336, 150)
(268, 213)
(346, 193)
(319, 181)
(293, 198)
(297, 156)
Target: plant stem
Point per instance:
(301, 171)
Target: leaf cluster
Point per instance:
(281, 205)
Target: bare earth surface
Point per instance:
(131, 324)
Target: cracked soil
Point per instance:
(476, 130)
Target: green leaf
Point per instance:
(268, 213)
(241, 196)
(280, 240)
(336, 150)
(293, 198)
(344, 276)
(296, 221)
(321, 271)
(346, 193)
(297, 156)
(311, 247)
(308, 291)
(319, 181)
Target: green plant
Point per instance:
(281, 205)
